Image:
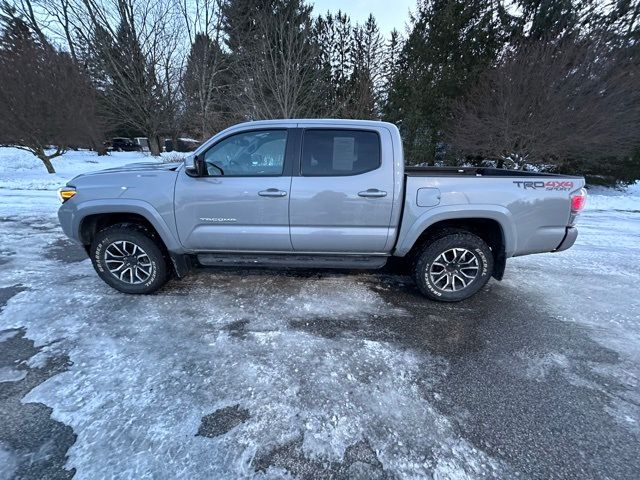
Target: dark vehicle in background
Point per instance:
(123, 144)
(183, 145)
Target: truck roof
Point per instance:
(324, 121)
(292, 123)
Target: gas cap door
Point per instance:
(428, 197)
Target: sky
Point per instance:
(389, 14)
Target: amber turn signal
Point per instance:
(66, 193)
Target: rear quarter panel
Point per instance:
(532, 211)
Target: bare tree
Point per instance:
(207, 78)
(278, 69)
(547, 103)
(47, 103)
(136, 48)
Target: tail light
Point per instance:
(578, 201)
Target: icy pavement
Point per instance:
(318, 375)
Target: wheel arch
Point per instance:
(493, 227)
(97, 217)
(90, 216)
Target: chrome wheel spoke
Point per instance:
(138, 270)
(115, 269)
(142, 269)
(470, 277)
(117, 248)
(123, 273)
(443, 275)
(460, 279)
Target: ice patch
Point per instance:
(8, 374)
(8, 463)
(146, 370)
(4, 336)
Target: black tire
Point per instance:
(450, 287)
(155, 262)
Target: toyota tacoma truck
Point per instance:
(316, 194)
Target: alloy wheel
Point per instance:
(454, 270)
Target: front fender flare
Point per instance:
(122, 205)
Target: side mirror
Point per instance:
(194, 165)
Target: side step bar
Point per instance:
(292, 261)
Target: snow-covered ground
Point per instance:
(236, 374)
(21, 170)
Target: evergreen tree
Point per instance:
(450, 43)
(549, 20)
(336, 45)
(367, 77)
(391, 60)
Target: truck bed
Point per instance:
(475, 172)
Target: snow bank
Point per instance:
(20, 170)
(602, 198)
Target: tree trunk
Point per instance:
(98, 147)
(154, 145)
(47, 163)
(101, 149)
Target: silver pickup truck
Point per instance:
(316, 194)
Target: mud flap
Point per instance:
(499, 264)
(182, 264)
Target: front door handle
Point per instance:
(272, 192)
(372, 193)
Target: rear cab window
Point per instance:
(327, 152)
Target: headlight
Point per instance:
(65, 193)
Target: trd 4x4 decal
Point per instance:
(550, 185)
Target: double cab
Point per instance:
(316, 194)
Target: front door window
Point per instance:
(249, 154)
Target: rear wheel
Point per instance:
(453, 267)
(127, 258)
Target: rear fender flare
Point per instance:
(454, 212)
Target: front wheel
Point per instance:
(453, 267)
(128, 259)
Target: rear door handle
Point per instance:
(272, 192)
(372, 193)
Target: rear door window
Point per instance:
(339, 152)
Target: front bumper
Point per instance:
(569, 239)
(66, 217)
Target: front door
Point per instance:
(242, 204)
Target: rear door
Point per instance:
(242, 204)
(342, 190)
